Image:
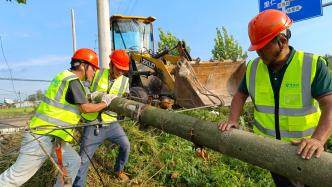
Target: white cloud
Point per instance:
(39, 61)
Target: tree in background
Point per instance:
(328, 58)
(35, 97)
(20, 1)
(226, 47)
(168, 40)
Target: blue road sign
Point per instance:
(297, 10)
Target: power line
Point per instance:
(132, 7)
(96, 43)
(117, 10)
(126, 7)
(9, 69)
(23, 79)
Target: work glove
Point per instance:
(96, 97)
(107, 98)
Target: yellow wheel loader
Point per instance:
(162, 79)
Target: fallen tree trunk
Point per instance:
(267, 153)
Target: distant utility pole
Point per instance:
(104, 34)
(19, 96)
(73, 29)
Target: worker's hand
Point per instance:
(107, 98)
(225, 126)
(309, 146)
(97, 96)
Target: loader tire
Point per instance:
(139, 94)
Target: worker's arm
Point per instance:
(106, 100)
(237, 104)
(315, 144)
(90, 107)
(321, 89)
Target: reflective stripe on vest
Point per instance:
(97, 84)
(55, 111)
(101, 83)
(306, 99)
(298, 111)
(284, 133)
(118, 88)
(52, 120)
(60, 105)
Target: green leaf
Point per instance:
(20, 1)
(168, 40)
(226, 47)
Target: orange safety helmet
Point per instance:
(265, 26)
(120, 59)
(87, 55)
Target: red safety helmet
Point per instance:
(87, 55)
(120, 59)
(265, 26)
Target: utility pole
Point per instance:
(104, 41)
(274, 155)
(73, 30)
(19, 96)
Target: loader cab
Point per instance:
(132, 33)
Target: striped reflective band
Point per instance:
(60, 105)
(52, 120)
(95, 84)
(308, 108)
(252, 79)
(287, 111)
(284, 133)
(306, 83)
(123, 85)
(62, 87)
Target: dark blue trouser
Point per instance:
(90, 143)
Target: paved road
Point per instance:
(17, 121)
(11, 125)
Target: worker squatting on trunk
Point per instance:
(284, 85)
(110, 81)
(62, 104)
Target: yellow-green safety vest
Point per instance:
(101, 83)
(54, 111)
(298, 112)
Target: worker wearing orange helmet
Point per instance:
(285, 86)
(63, 102)
(111, 81)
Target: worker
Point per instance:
(61, 106)
(284, 85)
(112, 81)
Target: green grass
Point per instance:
(14, 112)
(161, 159)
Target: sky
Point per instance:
(37, 38)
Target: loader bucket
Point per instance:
(207, 83)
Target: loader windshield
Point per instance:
(132, 35)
